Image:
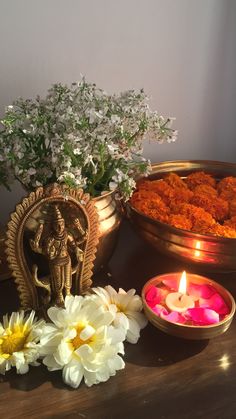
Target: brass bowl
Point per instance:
(188, 331)
(205, 250)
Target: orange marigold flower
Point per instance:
(193, 204)
(144, 195)
(144, 184)
(151, 205)
(180, 221)
(231, 222)
(227, 186)
(222, 231)
(158, 214)
(199, 178)
(165, 191)
(206, 189)
(217, 207)
(175, 181)
(228, 195)
(232, 208)
(181, 195)
(201, 220)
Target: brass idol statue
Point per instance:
(56, 247)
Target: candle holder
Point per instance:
(184, 330)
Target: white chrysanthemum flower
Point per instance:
(126, 308)
(19, 342)
(82, 342)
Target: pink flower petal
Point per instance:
(200, 290)
(173, 317)
(159, 310)
(154, 296)
(171, 283)
(202, 316)
(216, 302)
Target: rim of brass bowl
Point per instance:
(188, 331)
(209, 251)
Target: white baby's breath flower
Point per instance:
(115, 119)
(19, 342)
(126, 308)
(77, 151)
(37, 183)
(80, 126)
(113, 185)
(81, 342)
(66, 175)
(31, 171)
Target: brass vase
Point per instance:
(110, 214)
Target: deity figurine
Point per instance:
(56, 248)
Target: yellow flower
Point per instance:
(19, 337)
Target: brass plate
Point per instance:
(207, 251)
(186, 331)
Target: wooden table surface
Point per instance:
(165, 377)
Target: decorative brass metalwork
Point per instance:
(205, 250)
(51, 245)
(5, 272)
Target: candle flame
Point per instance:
(183, 283)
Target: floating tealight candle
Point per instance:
(180, 301)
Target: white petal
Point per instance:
(112, 292)
(30, 319)
(120, 348)
(121, 321)
(116, 334)
(51, 336)
(139, 318)
(84, 351)
(18, 358)
(22, 369)
(73, 303)
(104, 319)
(90, 378)
(50, 362)
(135, 304)
(103, 294)
(72, 374)
(116, 364)
(3, 366)
(131, 292)
(63, 354)
(133, 325)
(53, 315)
(87, 332)
(132, 337)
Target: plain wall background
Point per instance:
(182, 52)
